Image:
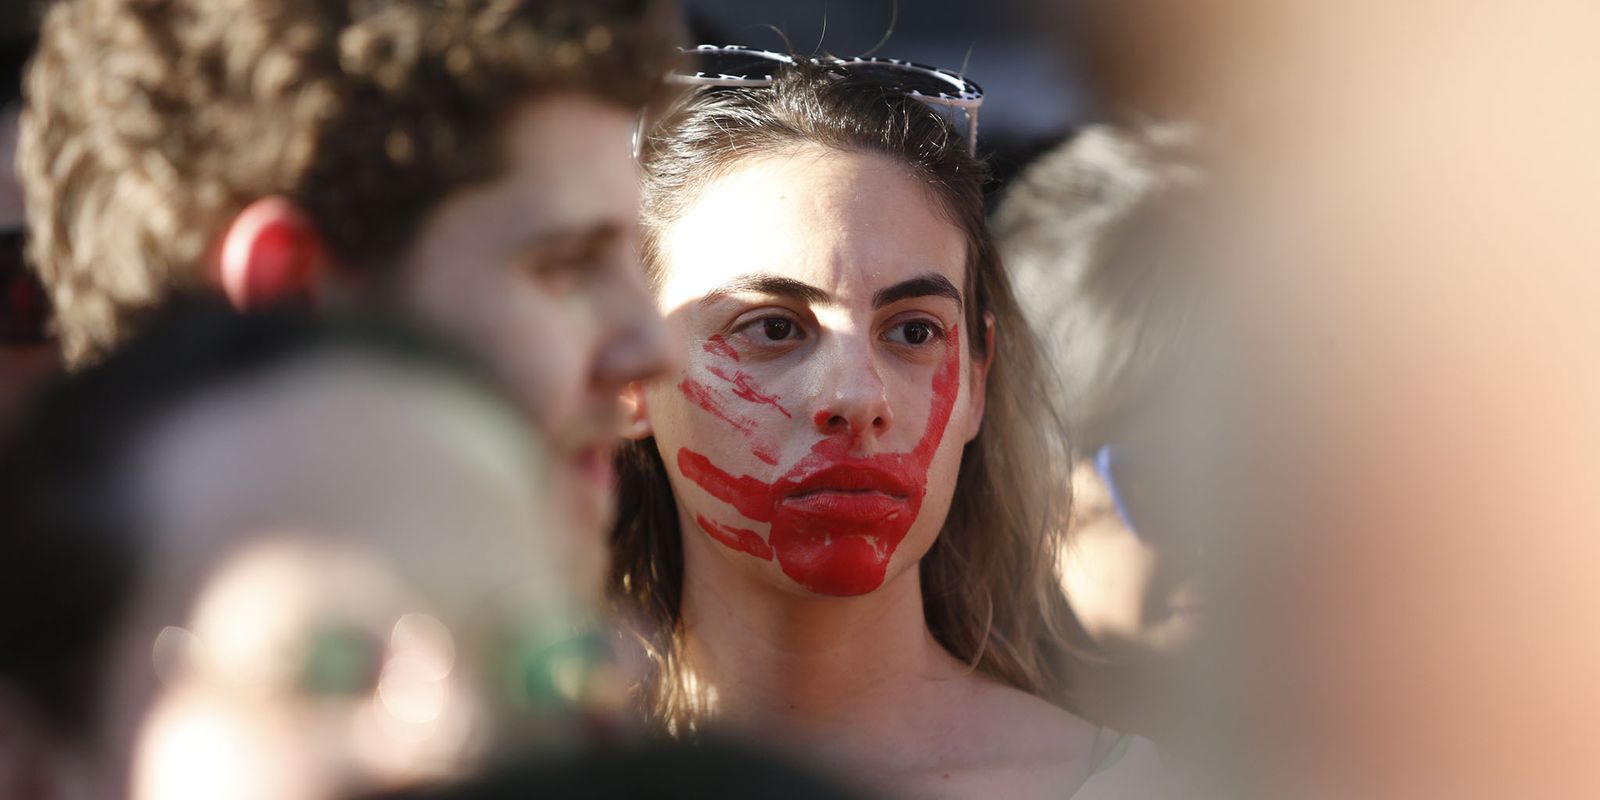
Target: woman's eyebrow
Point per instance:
(929, 285)
(775, 285)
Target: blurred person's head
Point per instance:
(27, 353)
(670, 770)
(1408, 596)
(271, 557)
(466, 161)
(862, 405)
(1094, 234)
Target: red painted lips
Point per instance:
(835, 520)
(849, 496)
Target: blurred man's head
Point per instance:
(1094, 233)
(276, 558)
(469, 161)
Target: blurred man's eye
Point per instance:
(570, 262)
(557, 276)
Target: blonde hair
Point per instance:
(1100, 238)
(990, 594)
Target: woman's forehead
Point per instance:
(849, 223)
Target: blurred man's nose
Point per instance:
(638, 345)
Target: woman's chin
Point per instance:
(845, 567)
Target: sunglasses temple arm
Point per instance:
(972, 132)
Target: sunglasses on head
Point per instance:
(736, 66)
(24, 306)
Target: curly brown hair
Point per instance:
(150, 123)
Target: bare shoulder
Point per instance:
(992, 740)
(1009, 743)
(1032, 748)
(1025, 725)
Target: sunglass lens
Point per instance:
(737, 64)
(903, 79)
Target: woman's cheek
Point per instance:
(733, 403)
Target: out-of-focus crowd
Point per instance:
(492, 398)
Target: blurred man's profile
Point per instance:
(468, 164)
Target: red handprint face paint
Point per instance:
(736, 538)
(736, 387)
(835, 520)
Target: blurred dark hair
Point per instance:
(24, 306)
(19, 33)
(71, 548)
(660, 770)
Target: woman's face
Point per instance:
(815, 432)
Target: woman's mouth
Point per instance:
(851, 478)
(849, 495)
(848, 508)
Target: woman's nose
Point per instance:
(857, 401)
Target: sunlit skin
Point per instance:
(537, 272)
(813, 439)
(1131, 596)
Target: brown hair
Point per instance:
(989, 593)
(151, 122)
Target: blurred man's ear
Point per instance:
(271, 252)
(635, 419)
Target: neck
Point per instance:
(784, 661)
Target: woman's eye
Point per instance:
(916, 332)
(777, 329)
(774, 331)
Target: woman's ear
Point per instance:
(635, 418)
(979, 394)
(270, 252)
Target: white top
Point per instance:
(1126, 767)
